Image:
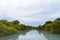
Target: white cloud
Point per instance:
(30, 11)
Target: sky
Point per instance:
(30, 12)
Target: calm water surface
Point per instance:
(32, 35)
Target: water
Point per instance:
(32, 35)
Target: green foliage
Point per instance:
(43, 27)
(16, 22)
(39, 27)
(4, 30)
(7, 28)
(49, 22)
(24, 27)
(53, 27)
(48, 27)
(56, 26)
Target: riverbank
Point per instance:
(8, 28)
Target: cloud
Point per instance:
(31, 12)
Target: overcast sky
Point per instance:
(30, 12)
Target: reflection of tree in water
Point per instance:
(39, 31)
(50, 36)
(45, 34)
(14, 36)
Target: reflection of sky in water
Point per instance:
(32, 35)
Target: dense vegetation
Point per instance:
(52, 26)
(7, 28)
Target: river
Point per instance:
(32, 35)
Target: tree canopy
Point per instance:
(8, 28)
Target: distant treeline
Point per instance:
(8, 28)
(52, 26)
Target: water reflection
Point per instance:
(32, 35)
(50, 36)
(14, 36)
